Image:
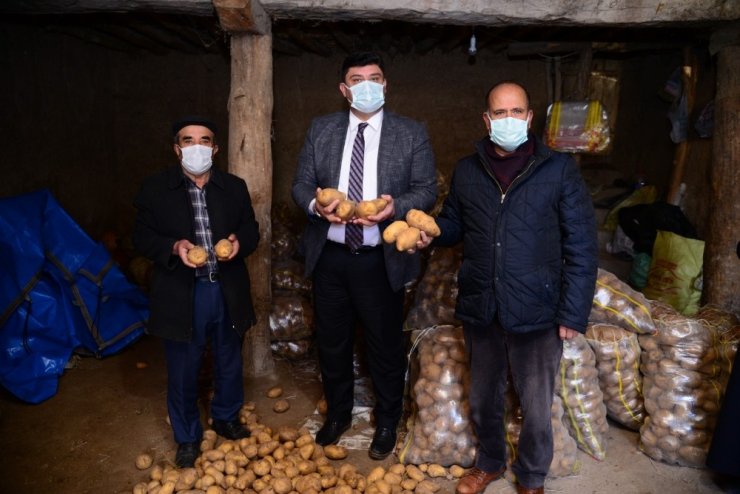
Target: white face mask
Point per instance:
(197, 159)
(508, 133)
(367, 96)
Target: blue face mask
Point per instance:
(367, 96)
(508, 133)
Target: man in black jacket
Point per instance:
(526, 282)
(193, 305)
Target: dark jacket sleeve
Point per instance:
(579, 251)
(149, 238)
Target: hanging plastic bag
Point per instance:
(577, 127)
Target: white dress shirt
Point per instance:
(371, 234)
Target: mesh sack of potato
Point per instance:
(284, 243)
(617, 354)
(287, 275)
(564, 450)
(659, 309)
(616, 303)
(577, 384)
(439, 429)
(680, 368)
(728, 330)
(291, 317)
(436, 293)
(291, 350)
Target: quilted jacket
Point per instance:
(530, 255)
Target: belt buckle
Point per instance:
(213, 276)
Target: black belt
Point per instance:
(360, 250)
(211, 277)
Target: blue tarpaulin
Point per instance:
(60, 292)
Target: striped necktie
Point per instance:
(353, 234)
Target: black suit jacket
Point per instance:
(406, 171)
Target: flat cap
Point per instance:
(193, 120)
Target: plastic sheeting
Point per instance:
(60, 291)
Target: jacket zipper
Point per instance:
(503, 194)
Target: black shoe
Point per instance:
(331, 431)
(383, 443)
(230, 429)
(186, 455)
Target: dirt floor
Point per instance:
(85, 439)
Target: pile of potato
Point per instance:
(616, 303)
(565, 452)
(617, 354)
(436, 293)
(283, 461)
(291, 317)
(680, 369)
(439, 429)
(578, 386)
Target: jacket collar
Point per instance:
(176, 178)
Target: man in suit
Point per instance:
(362, 283)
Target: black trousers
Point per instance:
(350, 288)
(534, 359)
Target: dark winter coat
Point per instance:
(530, 256)
(164, 216)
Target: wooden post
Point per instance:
(250, 157)
(721, 264)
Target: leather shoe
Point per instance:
(520, 489)
(186, 455)
(384, 440)
(476, 480)
(331, 431)
(230, 429)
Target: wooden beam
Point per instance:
(250, 157)
(721, 272)
(242, 16)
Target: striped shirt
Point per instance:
(202, 228)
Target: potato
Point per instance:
(380, 204)
(144, 461)
(140, 488)
(223, 248)
(375, 474)
(281, 406)
(274, 392)
(197, 255)
(435, 470)
(393, 230)
(334, 452)
(457, 471)
(329, 195)
(322, 406)
(345, 209)
(419, 219)
(407, 239)
(365, 209)
(282, 485)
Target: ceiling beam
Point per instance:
(641, 13)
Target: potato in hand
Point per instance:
(419, 219)
(345, 209)
(328, 195)
(390, 234)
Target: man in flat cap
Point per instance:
(198, 302)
